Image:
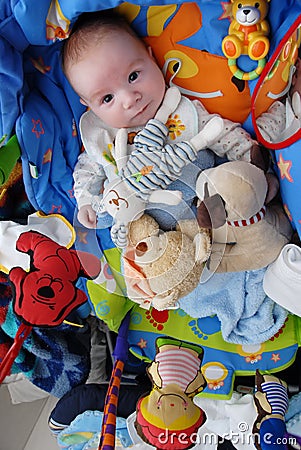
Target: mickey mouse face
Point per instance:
(44, 300)
(46, 294)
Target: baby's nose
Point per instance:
(130, 99)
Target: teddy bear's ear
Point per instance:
(211, 212)
(203, 216)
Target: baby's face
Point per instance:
(119, 80)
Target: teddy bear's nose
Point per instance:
(141, 248)
(46, 292)
(246, 11)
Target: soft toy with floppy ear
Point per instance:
(161, 267)
(247, 234)
(167, 417)
(47, 293)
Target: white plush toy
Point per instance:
(122, 202)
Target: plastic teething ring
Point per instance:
(246, 75)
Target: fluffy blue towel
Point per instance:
(246, 314)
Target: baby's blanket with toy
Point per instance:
(38, 104)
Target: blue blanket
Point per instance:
(246, 314)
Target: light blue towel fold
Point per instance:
(84, 432)
(246, 314)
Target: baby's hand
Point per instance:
(87, 216)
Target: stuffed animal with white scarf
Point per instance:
(247, 233)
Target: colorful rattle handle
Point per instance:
(107, 438)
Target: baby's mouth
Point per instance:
(141, 111)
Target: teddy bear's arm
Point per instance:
(234, 28)
(264, 27)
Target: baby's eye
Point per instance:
(107, 98)
(133, 76)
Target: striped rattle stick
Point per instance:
(107, 438)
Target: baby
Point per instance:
(118, 79)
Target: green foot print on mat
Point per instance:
(204, 327)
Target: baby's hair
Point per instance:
(91, 28)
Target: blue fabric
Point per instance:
(85, 429)
(11, 79)
(294, 406)
(54, 359)
(293, 415)
(290, 181)
(272, 434)
(47, 135)
(246, 314)
(91, 396)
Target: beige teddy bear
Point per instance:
(161, 267)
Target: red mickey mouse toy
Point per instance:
(47, 293)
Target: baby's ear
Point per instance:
(150, 51)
